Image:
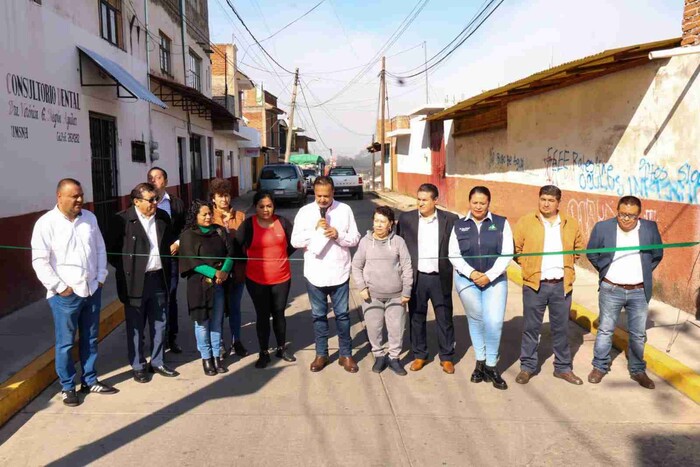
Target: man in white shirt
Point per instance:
(70, 260)
(625, 281)
(141, 238)
(326, 230)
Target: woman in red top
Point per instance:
(265, 240)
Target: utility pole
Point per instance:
(382, 131)
(290, 130)
(373, 163)
(425, 52)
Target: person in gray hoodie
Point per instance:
(382, 271)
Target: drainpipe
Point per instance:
(668, 53)
(183, 31)
(148, 81)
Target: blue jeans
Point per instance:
(611, 299)
(485, 309)
(234, 296)
(318, 296)
(71, 314)
(208, 332)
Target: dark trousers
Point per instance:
(534, 304)
(269, 301)
(428, 287)
(173, 327)
(152, 311)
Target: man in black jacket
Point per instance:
(175, 208)
(426, 231)
(139, 236)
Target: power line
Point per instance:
(292, 22)
(318, 133)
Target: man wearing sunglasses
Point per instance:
(137, 239)
(625, 282)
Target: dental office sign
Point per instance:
(30, 100)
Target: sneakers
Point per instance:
(70, 398)
(396, 367)
(98, 388)
(380, 364)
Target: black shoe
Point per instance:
(174, 348)
(219, 365)
(209, 368)
(478, 374)
(396, 367)
(491, 374)
(163, 371)
(239, 349)
(285, 355)
(70, 398)
(98, 388)
(140, 376)
(380, 364)
(263, 360)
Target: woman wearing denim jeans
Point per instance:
(205, 260)
(480, 279)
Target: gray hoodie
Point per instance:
(383, 266)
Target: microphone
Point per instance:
(323, 211)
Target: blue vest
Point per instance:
(488, 241)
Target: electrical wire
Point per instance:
(292, 22)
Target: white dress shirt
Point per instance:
(326, 261)
(149, 225)
(69, 254)
(428, 243)
(498, 268)
(552, 265)
(626, 266)
(164, 204)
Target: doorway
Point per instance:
(103, 148)
(183, 191)
(197, 173)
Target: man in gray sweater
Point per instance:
(382, 271)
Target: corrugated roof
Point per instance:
(563, 75)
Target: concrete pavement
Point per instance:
(285, 414)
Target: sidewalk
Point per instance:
(286, 415)
(673, 333)
(27, 341)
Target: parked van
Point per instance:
(285, 181)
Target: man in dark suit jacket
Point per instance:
(175, 208)
(426, 232)
(139, 236)
(625, 281)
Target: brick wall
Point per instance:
(691, 23)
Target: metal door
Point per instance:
(437, 152)
(103, 146)
(197, 175)
(183, 190)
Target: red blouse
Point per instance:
(270, 244)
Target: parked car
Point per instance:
(285, 181)
(310, 176)
(346, 181)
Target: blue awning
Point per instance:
(122, 78)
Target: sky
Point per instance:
(331, 45)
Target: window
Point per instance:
(165, 45)
(111, 21)
(194, 72)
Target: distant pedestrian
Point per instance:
(426, 231)
(326, 230)
(70, 260)
(625, 282)
(548, 281)
(140, 238)
(230, 219)
(383, 273)
(266, 238)
(481, 281)
(175, 208)
(206, 253)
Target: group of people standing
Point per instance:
(398, 265)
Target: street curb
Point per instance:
(681, 377)
(30, 381)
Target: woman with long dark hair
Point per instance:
(264, 239)
(480, 279)
(205, 260)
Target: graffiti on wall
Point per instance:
(506, 161)
(680, 183)
(590, 211)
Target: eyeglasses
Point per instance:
(155, 199)
(627, 217)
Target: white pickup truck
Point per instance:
(346, 181)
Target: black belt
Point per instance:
(625, 286)
(550, 281)
(429, 273)
(151, 273)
